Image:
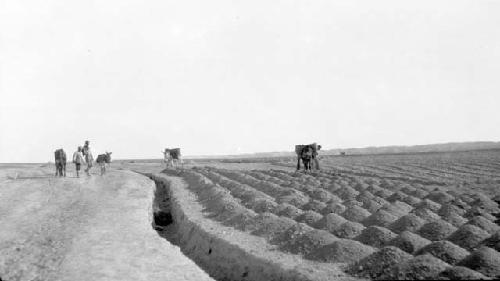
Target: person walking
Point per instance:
(78, 160)
(88, 156)
(316, 148)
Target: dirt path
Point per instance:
(96, 228)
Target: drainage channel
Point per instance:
(220, 251)
(168, 227)
(222, 261)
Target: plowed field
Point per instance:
(386, 217)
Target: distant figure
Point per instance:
(88, 157)
(78, 160)
(316, 148)
(172, 156)
(342, 153)
(307, 154)
(166, 158)
(103, 160)
(60, 161)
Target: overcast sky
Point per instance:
(227, 77)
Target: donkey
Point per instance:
(308, 154)
(60, 161)
(103, 160)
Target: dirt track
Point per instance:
(96, 228)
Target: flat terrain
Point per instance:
(380, 216)
(96, 228)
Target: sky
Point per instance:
(229, 77)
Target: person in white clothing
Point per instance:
(78, 160)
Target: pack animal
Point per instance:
(308, 154)
(60, 161)
(172, 157)
(103, 160)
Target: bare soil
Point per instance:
(97, 228)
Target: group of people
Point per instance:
(82, 156)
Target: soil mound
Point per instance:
(335, 208)
(270, 225)
(346, 193)
(380, 200)
(376, 236)
(484, 202)
(484, 224)
(468, 236)
(425, 214)
(333, 222)
(445, 251)
(300, 239)
(380, 218)
(461, 273)
(356, 214)
(467, 198)
(478, 211)
(484, 260)
(397, 196)
(287, 210)
(309, 217)
(410, 222)
(440, 197)
(245, 221)
(436, 230)
(379, 263)
(448, 209)
(395, 209)
(352, 203)
(334, 199)
(384, 193)
(455, 219)
(262, 205)
(406, 208)
(349, 229)
(411, 200)
(385, 183)
(314, 205)
(225, 207)
(342, 251)
(493, 241)
(420, 193)
(428, 204)
(372, 206)
(322, 195)
(295, 198)
(365, 196)
(419, 268)
(361, 186)
(408, 190)
(409, 242)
